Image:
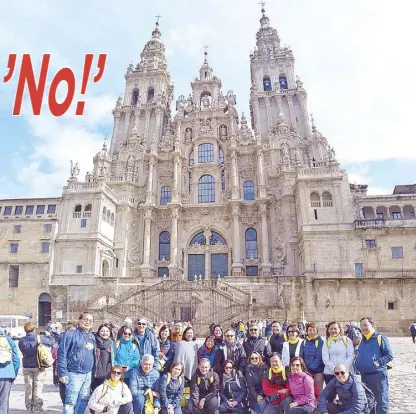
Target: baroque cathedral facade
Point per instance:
(202, 216)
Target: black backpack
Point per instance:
(371, 400)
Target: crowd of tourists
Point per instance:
(258, 367)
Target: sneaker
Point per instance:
(38, 410)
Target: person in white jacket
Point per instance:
(337, 349)
(113, 396)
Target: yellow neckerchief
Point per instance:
(310, 339)
(113, 383)
(369, 335)
(293, 341)
(278, 370)
(335, 338)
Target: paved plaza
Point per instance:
(402, 383)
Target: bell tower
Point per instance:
(274, 88)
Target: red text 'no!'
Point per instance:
(36, 87)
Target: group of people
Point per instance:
(140, 369)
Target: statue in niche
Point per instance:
(286, 156)
(130, 164)
(223, 131)
(188, 134)
(205, 101)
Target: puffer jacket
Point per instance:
(254, 376)
(312, 354)
(234, 352)
(141, 382)
(29, 349)
(339, 351)
(105, 395)
(171, 391)
(302, 388)
(351, 395)
(255, 344)
(149, 345)
(127, 355)
(203, 386)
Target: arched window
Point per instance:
(165, 195)
(44, 309)
(150, 95)
(216, 238)
(104, 211)
(283, 82)
(326, 199)
(105, 269)
(88, 207)
(135, 97)
(248, 190)
(251, 244)
(78, 208)
(112, 218)
(191, 158)
(315, 200)
(205, 153)
(206, 189)
(221, 155)
(164, 245)
(267, 84)
(198, 239)
(108, 215)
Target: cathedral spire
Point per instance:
(156, 32)
(206, 72)
(264, 21)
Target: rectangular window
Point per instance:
(396, 215)
(315, 213)
(359, 270)
(47, 228)
(390, 305)
(380, 216)
(14, 276)
(411, 214)
(7, 211)
(79, 268)
(29, 210)
(17, 228)
(205, 153)
(40, 209)
(51, 208)
(252, 270)
(116, 261)
(18, 210)
(14, 247)
(162, 271)
(397, 252)
(44, 247)
(83, 222)
(370, 243)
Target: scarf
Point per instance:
(103, 343)
(335, 338)
(113, 383)
(313, 337)
(278, 370)
(370, 334)
(293, 341)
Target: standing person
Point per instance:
(337, 349)
(9, 367)
(276, 340)
(218, 336)
(127, 323)
(105, 354)
(256, 369)
(166, 349)
(127, 354)
(374, 355)
(294, 346)
(312, 354)
(186, 352)
(413, 331)
(241, 330)
(254, 342)
(33, 374)
(146, 340)
(176, 334)
(171, 389)
(75, 364)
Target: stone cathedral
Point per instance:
(202, 215)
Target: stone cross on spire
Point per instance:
(313, 123)
(262, 4)
(157, 19)
(206, 54)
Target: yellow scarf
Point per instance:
(293, 340)
(335, 338)
(278, 370)
(310, 339)
(112, 383)
(370, 334)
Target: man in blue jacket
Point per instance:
(75, 363)
(33, 374)
(9, 367)
(146, 341)
(374, 355)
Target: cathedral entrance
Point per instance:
(207, 256)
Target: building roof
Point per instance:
(405, 189)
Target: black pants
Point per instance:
(333, 408)
(210, 407)
(414, 338)
(327, 378)
(62, 392)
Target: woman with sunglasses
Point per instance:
(127, 354)
(302, 387)
(233, 390)
(113, 396)
(171, 390)
(166, 351)
(105, 354)
(256, 369)
(294, 346)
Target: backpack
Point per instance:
(5, 351)
(355, 335)
(169, 377)
(371, 399)
(44, 355)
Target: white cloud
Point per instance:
(361, 174)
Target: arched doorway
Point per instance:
(207, 256)
(44, 309)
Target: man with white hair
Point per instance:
(146, 341)
(144, 386)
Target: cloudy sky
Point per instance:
(357, 61)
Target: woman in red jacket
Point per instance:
(276, 387)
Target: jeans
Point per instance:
(77, 393)
(34, 379)
(319, 379)
(5, 387)
(210, 407)
(280, 408)
(300, 409)
(177, 410)
(379, 384)
(259, 407)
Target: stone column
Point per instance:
(291, 109)
(260, 173)
(302, 100)
(256, 113)
(127, 116)
(159, 115)
(174, 241)
(265, 266)
(149, 191)
(207, 234)
(146, 128)
(237, 267)
(114, 140)
(176, 178)
(146, 267)
(235, 188)
(269, 113)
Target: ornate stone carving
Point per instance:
(280, 250)
(205, 126)
(188, 135)
(223, 132)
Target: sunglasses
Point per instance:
(127, 334)
(295, 365)
(228, 368)
(254, 330)
(116, 372)
(229, 336)
(141, 324)
(254, 358)
(339, 373)
(291, 332)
